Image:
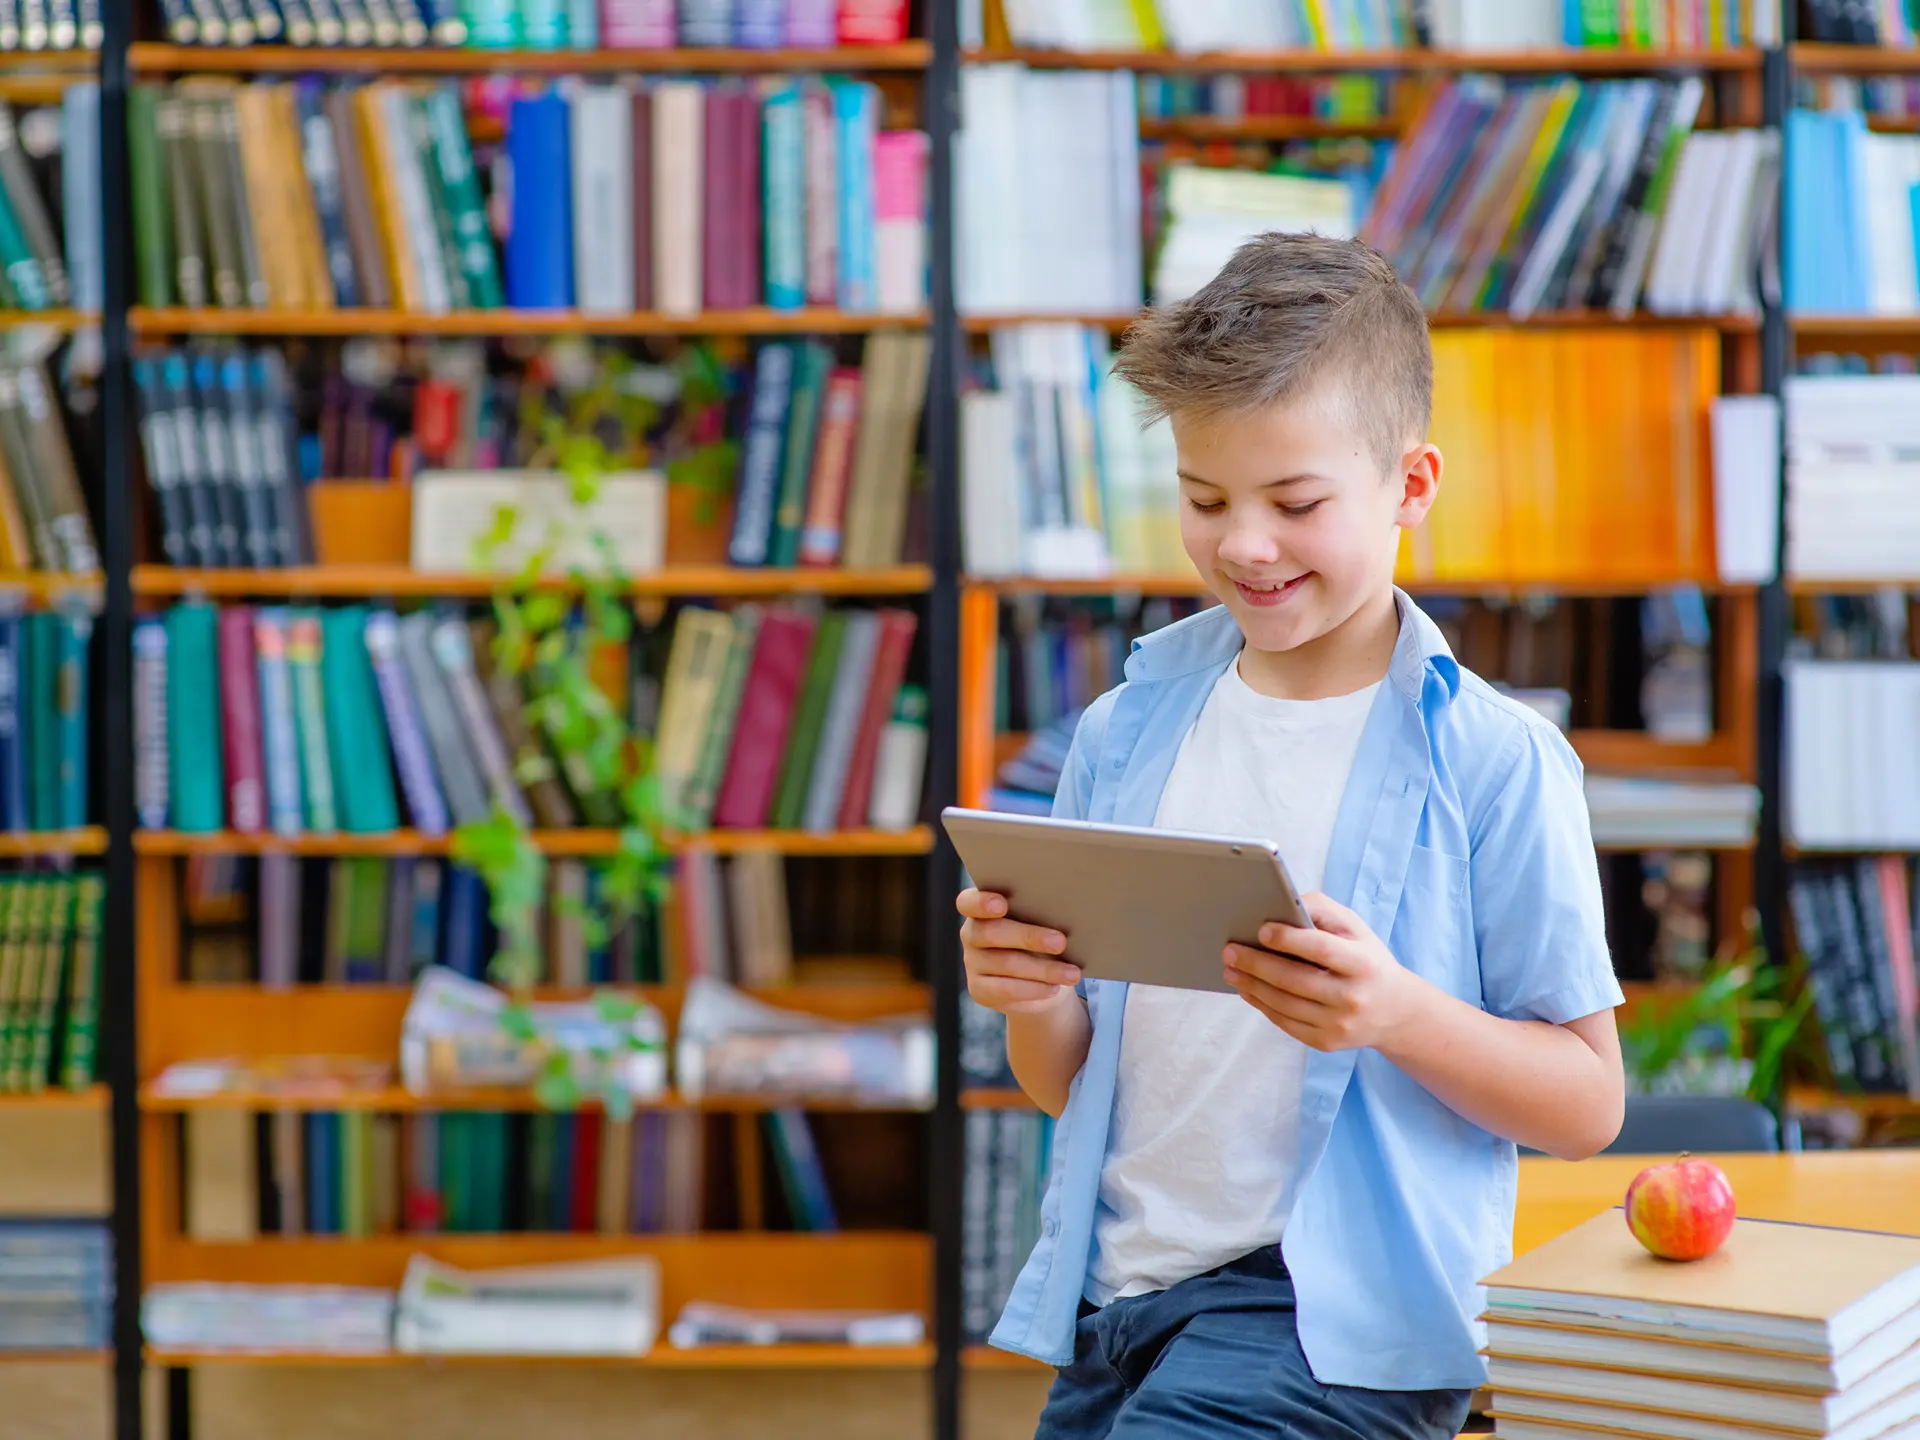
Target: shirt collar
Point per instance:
(1210, 639)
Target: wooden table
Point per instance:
(1852, 1189)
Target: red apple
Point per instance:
(1682, 1210)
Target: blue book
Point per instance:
(465, 903)
(1805, 143)
(856, 113)
(760, 24)
(793, 1138)
(757, 488)
(784, 205)
(583, 25)
(15, 812)
(323, 179)
(279, 735)
(1848, 219)
(423, 943)
(706, 22)
(323, 1173)
(540, 243)
(71, 634)
(543, 25)
(43, 721)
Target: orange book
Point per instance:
(265, 197)
(378, 166)
(310, 253)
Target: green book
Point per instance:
(310, 720)
(803, 739)
(79, 1041)
(71, 632)
(221, 202)
(13, 905)
(487, 1172)
(355, 725)
(356, 1161)
(35, 930)
(152, 224)
(542, 1146)
(1600, 22)
(456, 1197)
(452, 161)
(703, 788)
(365, 937)
(53, 969)
(195, 782)
(420, 136)
(810, 371)
(179, 154)
(43, 719)
(22, 270)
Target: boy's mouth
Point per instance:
(1268, 592)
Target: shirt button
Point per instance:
(1049, 1227)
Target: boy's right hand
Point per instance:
(1012, 967)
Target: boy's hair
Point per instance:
(1284, 315)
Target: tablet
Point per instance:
(1155, 907)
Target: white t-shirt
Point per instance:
(1204, 1147)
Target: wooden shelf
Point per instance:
(396, 1100)
(578, 843)
(1178, 584)
(364, 581)
(1812, 58)
(187, 1021)
(1854, 327)
(94, 1097)
(982, 1097)
(758, 320)
(662, 1357)
(1850, 585)
(160, 59)
(1873, 1106)
(77, 1355)
(1442, 320)
(57, 319)
(1635, 752)
(1570, 59)
(45, 587)
(26, 844)
(1264, 127)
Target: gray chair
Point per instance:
(1703, 1124)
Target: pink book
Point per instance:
(749, 124)
(873, 22)
(889, 669)
(900, 214)
(240, 723)
(637, 24)
(766, 713)
(720, 230)
(822, 195)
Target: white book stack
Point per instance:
(594, 1307)
(1786, 1330)
(1047, 181)
(1746, 487)
(1853, 477)
(1717, 224)
(1640, 812)
(1213, 211)
(1852, 768)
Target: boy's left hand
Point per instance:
(1344, 992)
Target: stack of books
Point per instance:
(1786, 1329)
(260, 1319)
(1643, 810)
(56, 1285)
(592, 1307)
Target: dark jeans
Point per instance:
(1217, 1356)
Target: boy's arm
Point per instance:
(1540, 1063)
(1047, 1047)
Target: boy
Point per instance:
(1269, 1210)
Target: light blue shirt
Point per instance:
(1463, 838)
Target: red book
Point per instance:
(585, 1219)
(420, 1189)
(246, 764)
(720, 236)
(749, 126)
(766, 713)
(832, 474)
(642, 198)
(873, 22)
(889, 669)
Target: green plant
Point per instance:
(1739, 1014)
(548, 628)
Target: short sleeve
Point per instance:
(1074, 798)
(1537, 910)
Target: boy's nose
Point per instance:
(1248, 545)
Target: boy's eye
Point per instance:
(1298, 510)
(1208, 507)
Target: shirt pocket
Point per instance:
(1433, 930)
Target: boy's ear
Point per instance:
(1420, 483)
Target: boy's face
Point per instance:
(1289, 517)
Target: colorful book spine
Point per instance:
(149, 722)
(784, 128)
(540, 243)
(72, 631)
(761, 454)
(15, 802)
(310, 716)
(412, 759)
(78, 1045)
(240, 728)
(856, 114)
(279, 731)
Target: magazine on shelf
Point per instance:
(593, 1307)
